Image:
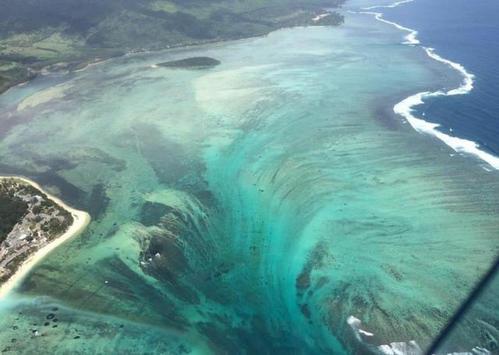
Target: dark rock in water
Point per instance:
(54, 326)
(77, 337)
(55, 320)
(152, 212)
(46, 324)
(167, 264)
(191, 63)
(50, 316)
(98, 201)
(303, 281)
(171, 169)
(55, 309)
(121, 325)
(130, 280)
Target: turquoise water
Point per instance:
(480, 318)
(254, 206)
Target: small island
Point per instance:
(191, 63)
(32, 223)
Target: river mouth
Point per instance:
(255, 205)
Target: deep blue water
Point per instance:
(466, 32)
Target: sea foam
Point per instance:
(410, 39)
(400, 347)
(406, 107)
(355, 324)
(392, 5)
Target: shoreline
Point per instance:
(80, 221)
(82, 65)
(405, 108)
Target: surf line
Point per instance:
(405, 108)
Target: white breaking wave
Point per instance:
(410, 39)
(400, 347)
(396, 348)
(469, 78)
(390, 6)
(355, 324)
(406, 107)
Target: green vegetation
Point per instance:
(70, 33)
(12, 210)
(17, 199)
(192, 63)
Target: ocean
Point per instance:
(276, 201)
(465, 33)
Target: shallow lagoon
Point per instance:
(251, 206)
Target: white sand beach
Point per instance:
(81, 220)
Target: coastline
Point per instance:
(323, 169)
(80, 65)
(81, 220)
(405, 108)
